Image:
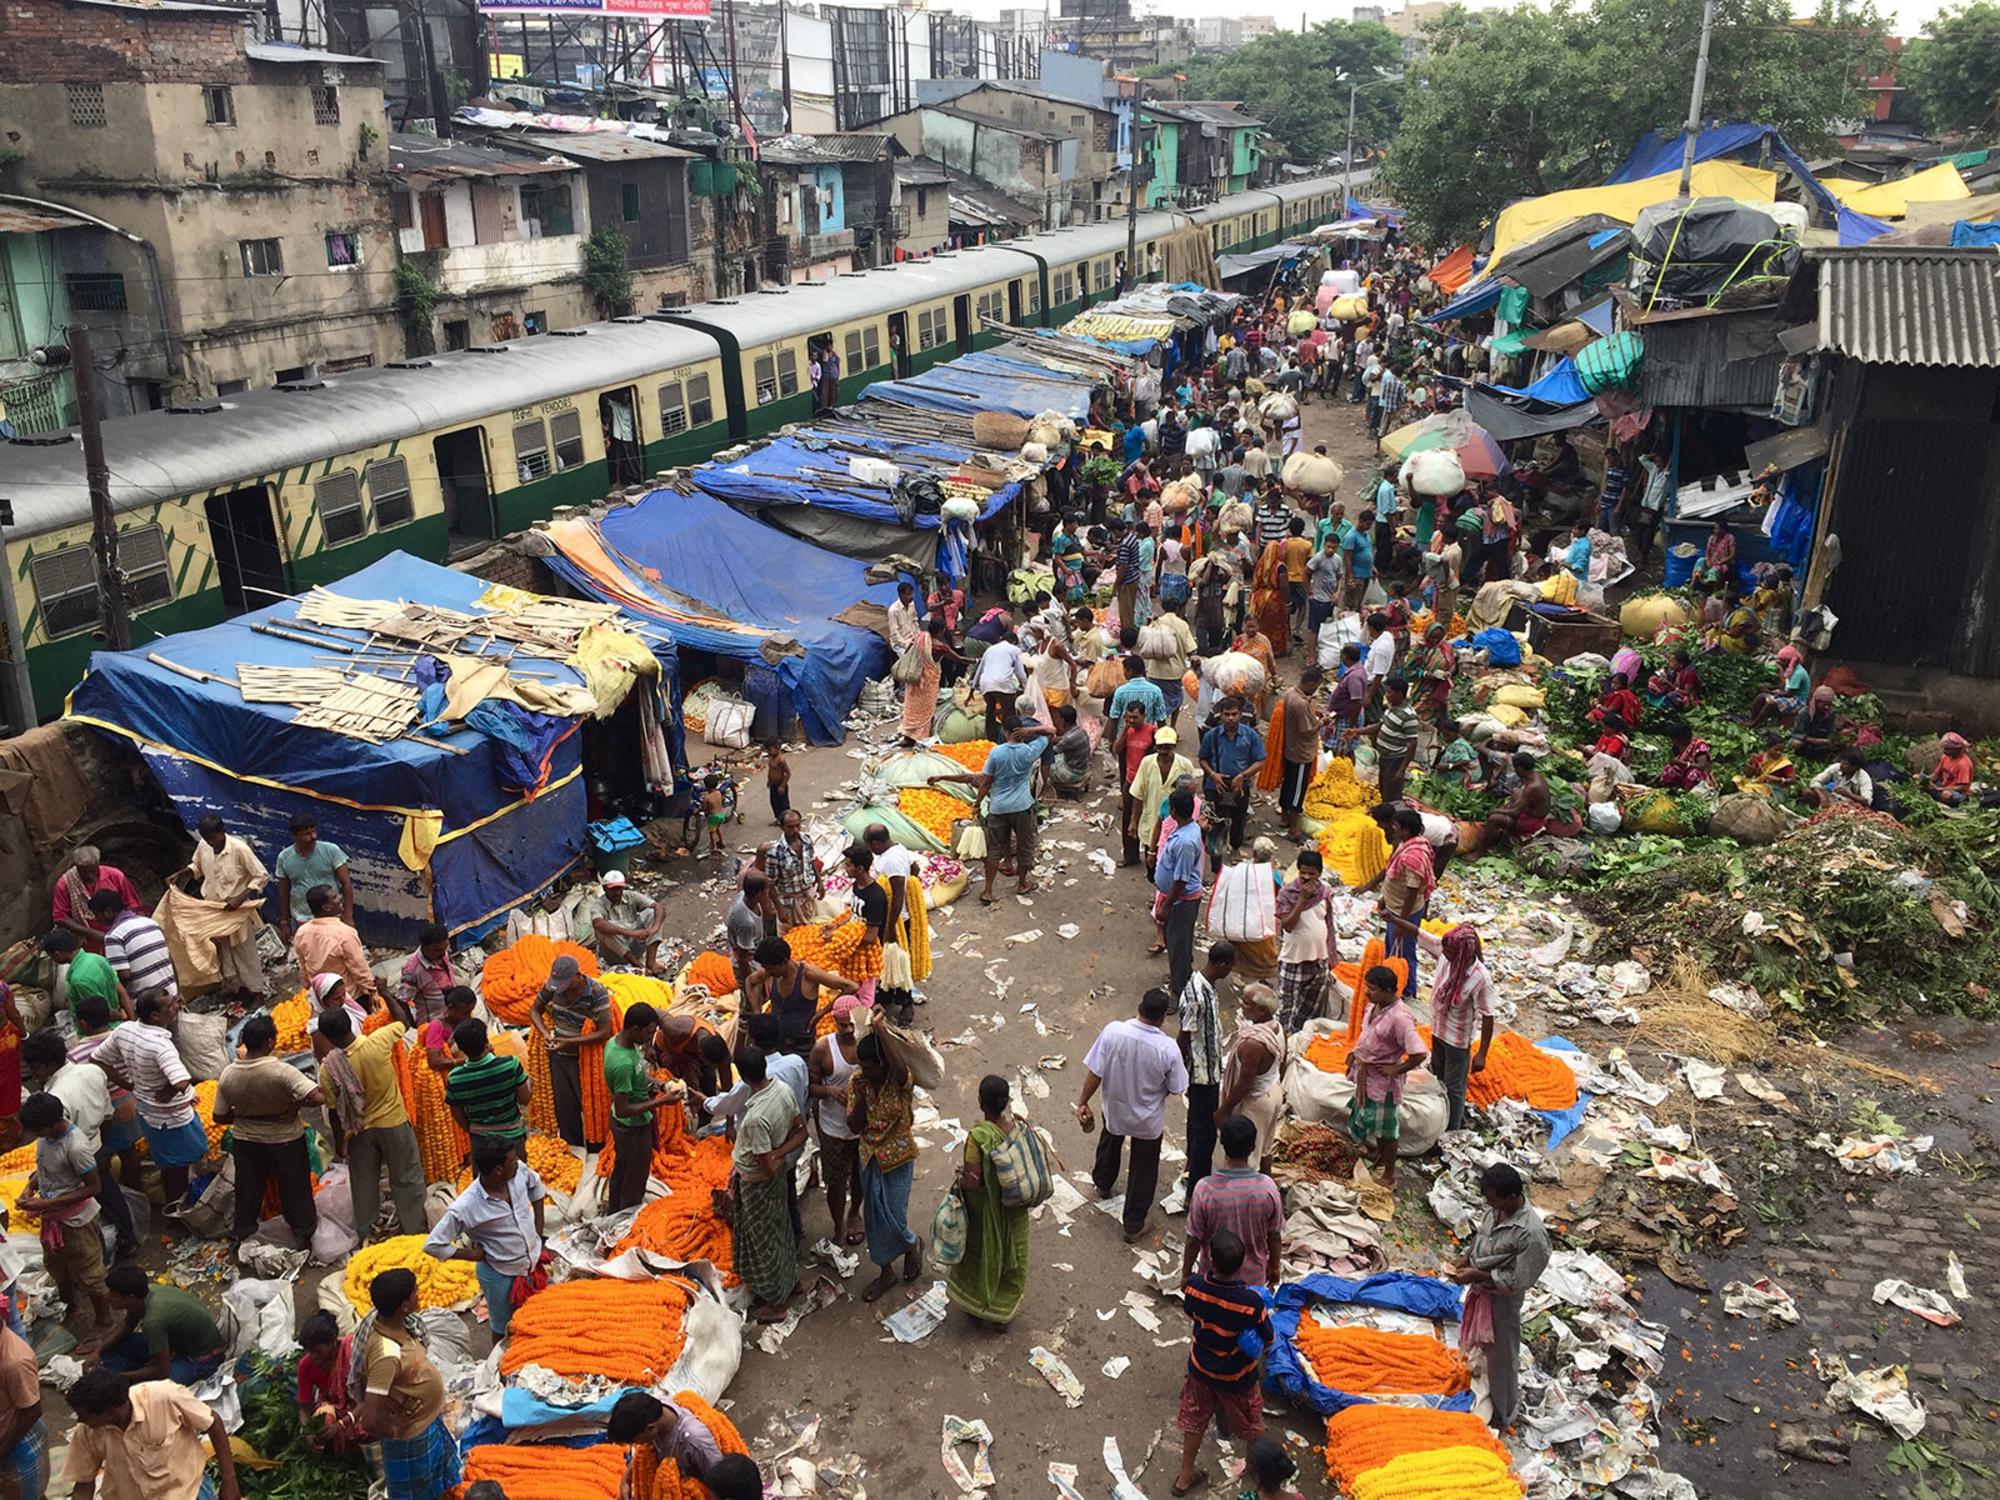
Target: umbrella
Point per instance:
(1478, 454)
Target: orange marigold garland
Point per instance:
(541, 1091)
(551, 1159)
(712, 971)
(629, 1331)
(1371, 1362)
(442, 1145)
(515, 975)
(1515, 1069)
(683, 1226)
(1366, 1436)
(529, 1471)
(290, 1017)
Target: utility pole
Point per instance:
(103, 524)
(1694, 100)
(1132, 186)
(1347, 161)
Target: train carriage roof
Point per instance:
(159, 455)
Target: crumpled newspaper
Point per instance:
(1670, 1166)
(1883, 1155)
(1882, 1393)
(1932, 1307)
(977, 1477)
(1704, 1079)
(1058, 1374)
(1762, 1298)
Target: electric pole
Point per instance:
(103, 524)
(1694, 100)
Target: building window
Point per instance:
(457, 333)
(326, 104)
(231, 387)
(534, 322)
(864, 348)
(628, 202)
(673, 408)
(547, 211)
(347, 365)
(764, 374)
(95, 291)
(86, 105)
(218, 106)
(923, 202)
(389, 492)
(401, 212)
(343, 248)
(566, 429)
(337, 497)
(701, 406)
(531, 450)
(788, 372)
(261, 258)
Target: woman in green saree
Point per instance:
(989, 1280)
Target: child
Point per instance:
(1389, 1048)
(712, 811)
(62, 1193)
(778, 777)
(1267, 1472)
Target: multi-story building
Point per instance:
(1218, 34)
(1024, 163)
(1096, 183)
(923, 217)
(831, 204)
(1222, 154)
(1258, 26)
(239, 179)
(1408, 23)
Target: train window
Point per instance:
(389, 492)
(1034, 294)
(531, 450)
(1225, 235)
(864, 348)
(142, 558)
(933, 328)
(66, 590)
(673, 408)
(992, 308)
(701, 406)
(788, 372)
(1100, 276)
(765, 371)
(1062, 287)
(566, 428)
(338, 498)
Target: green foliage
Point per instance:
(1103, 469)
(607, 274)
(1452, 797)
(416, 301)
(276, 1429)
(1954, 70)
(1286, 79)
(1520, 102)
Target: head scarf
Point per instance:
(1461, 956)
(846, 1006)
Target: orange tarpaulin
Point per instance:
(1451, 273)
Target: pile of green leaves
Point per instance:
(1452, 797)
(277, 1429)
(1846, 903)
(1102, 470)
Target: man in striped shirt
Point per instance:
(1389, 394)
(136, 947)
(1222, 1384)
(488, 1092)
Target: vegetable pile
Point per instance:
(275, 1428)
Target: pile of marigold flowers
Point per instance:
(1515, 1069)
(515, 975)
(1373, 1362)
(440, 1283)
(683, 1226)
(631, 1332)
(1363, 1438)
(712, 971)
(290, 1017)
(535, 1471)
(557, 1165)
(204, 1111)
(1335, 789)
(968, 753)
(932, 811)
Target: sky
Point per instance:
(1909, 16)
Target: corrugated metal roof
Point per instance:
(1910, 305)
(1723, 361)
(425, 158)
(285, 52)
(848, 146)
(15, 220)
(602, 146)
(1217, 112)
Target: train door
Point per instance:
(468, 498)
(961, 318)
(249, 563)
(1016, 317)
(624, 456)
(899, 343)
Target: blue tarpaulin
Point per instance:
(1356, 209)
(1560, 387)
(212, 752)
(1857, 228)
(1398, 1291)
(1967, 236)
(963, 388)
(787, 471)
(726, 583)
(1754, 145)
(1480, 297)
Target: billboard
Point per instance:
(666, 10)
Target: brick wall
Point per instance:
(44, 41)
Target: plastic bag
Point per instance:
(971, 846)
(257, 1315)
(334, 1237)
(948, 1230)
(203, 1043)
(1105, 677)
(909, 666)
(729, 725)
(911, 1048)
(210, 1216)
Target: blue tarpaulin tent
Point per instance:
(1560, 387)
(212, 752)
(963, 387)
(726, 583)
(1481, 297)
(787, 471)
(1758, 145)
(1968, 236)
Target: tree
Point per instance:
(607, 274)
(1288, 80)
(1954, 69)
(1512, 104)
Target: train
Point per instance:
(227, 505)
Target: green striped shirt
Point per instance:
(485, 1089)
(1398, 733)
